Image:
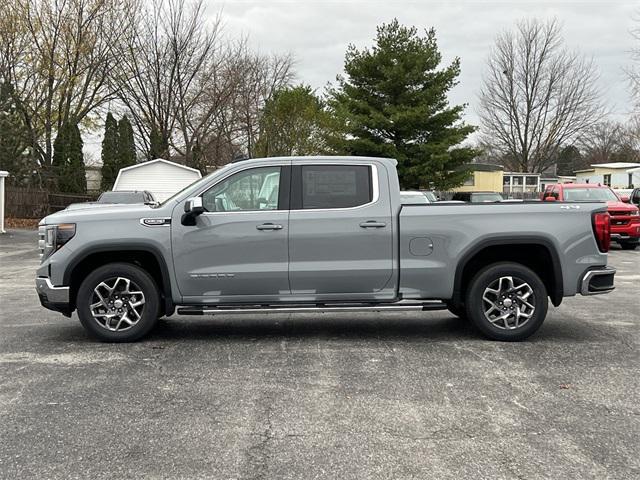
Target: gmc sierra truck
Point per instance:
(303, 234)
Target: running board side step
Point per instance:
(314, 308)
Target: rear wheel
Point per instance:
(118, 302)
(507, 301)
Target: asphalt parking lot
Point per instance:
(305, 396)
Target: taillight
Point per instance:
(602, 230)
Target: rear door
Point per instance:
(340, 232)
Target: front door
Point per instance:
(238, 246)
(340, 233)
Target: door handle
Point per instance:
(269, 226)
(372, 224)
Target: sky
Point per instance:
(317, 34)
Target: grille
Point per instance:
(620, 213)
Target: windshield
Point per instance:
(409, 198)
(486, 197)
(197, 183)
(121, 197)
(430, 196)
(589, 194)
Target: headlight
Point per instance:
(55, 236)
(635, 213)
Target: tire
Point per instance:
(495, 278)
(118, 285)
(628, 245)
(457, 310)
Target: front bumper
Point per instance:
(624, 237)
(52, 297)
(596, 282)
(626, 231)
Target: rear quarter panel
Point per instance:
(455, 231)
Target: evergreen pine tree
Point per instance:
(393, 103)
(68, 159)
(12, 137)
(126, 145)
(110, 150)
(158, 144)
(198, 159)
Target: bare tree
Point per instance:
(537, 95)
(602, 141)
(633, 71)
(57, 55)
(264, 75)
(201, 93)
(164, 64)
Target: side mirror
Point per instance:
(625, 198)
(549, 199)
(193, 206)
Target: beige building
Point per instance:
(485, 177)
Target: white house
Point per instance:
(161, 177)
(616, 174)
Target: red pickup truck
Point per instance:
(625, 218)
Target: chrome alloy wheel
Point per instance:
(509, 303)
(117, 304)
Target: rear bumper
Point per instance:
(52, 297)
(596, 282)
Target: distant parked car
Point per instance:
(430, 196)
(623, 193)
(118, 197)
(478, 197)
(625, 218)
(412, 198)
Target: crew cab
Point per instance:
(625, 217)
(303, 234)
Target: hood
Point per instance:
(80, 206)
(107, 212)
(621, 206)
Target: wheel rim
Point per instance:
(117, 304)
(508, 303)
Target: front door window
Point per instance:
(250, 190)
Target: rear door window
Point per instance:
(335, 186)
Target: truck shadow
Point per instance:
(302, 326)
(346, 327)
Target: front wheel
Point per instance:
(118, 302)
(629, 245)
(507, 301)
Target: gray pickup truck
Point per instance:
(302, 234)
